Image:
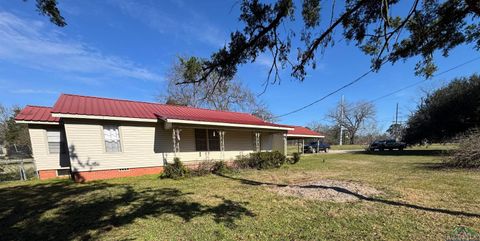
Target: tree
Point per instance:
(231, 95)
(12, 133)
(428, 27)
(49, 8)
(352, 116)
(331, 132)
(4, 116)
(446, 112)
(396, 131)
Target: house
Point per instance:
(300, 133)
(91, 138)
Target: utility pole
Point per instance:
(341, 121)
(396, 115)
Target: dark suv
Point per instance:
(314, 146)
(387, 144)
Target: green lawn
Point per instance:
(421, 201)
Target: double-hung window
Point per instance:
(112, 138)
(207, 140)
(54, 141)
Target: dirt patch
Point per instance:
(328, 190)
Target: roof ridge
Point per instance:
(40, 106)
(154, 103)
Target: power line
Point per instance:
(384, 96)
(328, 95)
(422, 81)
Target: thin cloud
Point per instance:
(34, 91)
(30, 43)
(188, 27)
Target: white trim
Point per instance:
(36, 122)
(98, 117)
(209, 123)
(300, 135)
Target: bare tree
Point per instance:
(4, 114)
(352, 116)
(227, 95)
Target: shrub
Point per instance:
(220, 167)
(203, 168)
(295, 158)
(468, 153)
(242, 162)
(175, 170)
(266, 160)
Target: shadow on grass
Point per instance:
(66, 211)
(359, 196)
(407, 152)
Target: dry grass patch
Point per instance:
(329, 190)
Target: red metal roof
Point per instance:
(97, 106)
(302, 131)
(36, 113)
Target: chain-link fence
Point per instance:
(17, 169)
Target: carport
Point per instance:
(300, 133)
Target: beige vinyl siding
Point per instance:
(279, 143)
(146, 145)
(43, 159)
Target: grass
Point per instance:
(348, 147)
(421, 201)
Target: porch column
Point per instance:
(318, 145)
(257, 141)
(285, 145)
(222, 143)
(303, 146)
(176, 141)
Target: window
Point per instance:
(112, 139)
(54, 141)
(207, 140)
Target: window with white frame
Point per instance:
(112, 138)
(54, 141)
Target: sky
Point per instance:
(124, 49)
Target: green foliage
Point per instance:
(49, 9)
(220, 167)
(468, 153)
(425, 29)
(12, 133)
(295, 158)
(175, 170)
(261, 160)
(242, 162)
(446, 113)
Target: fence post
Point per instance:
(23, 175)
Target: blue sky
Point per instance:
(123, 49)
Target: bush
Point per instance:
(468, 153)
(242, 162)
(295, 158)
(261, 160)
(220, 167)
(203, 168)
(176, 170)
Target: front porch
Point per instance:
(215, 142)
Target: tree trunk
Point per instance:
(352, 139)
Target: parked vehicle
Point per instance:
(382, 145)
(314, 146)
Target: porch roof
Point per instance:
(302, 132)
